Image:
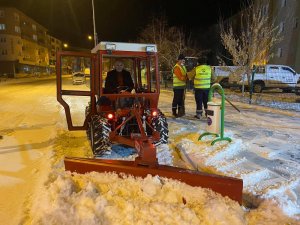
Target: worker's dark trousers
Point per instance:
(201, 98)
(177, 100)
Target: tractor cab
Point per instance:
(139, 63)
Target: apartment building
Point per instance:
(25, 45)
(55, 45)
(286, 14)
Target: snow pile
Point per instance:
(273, 102)
(101, 198)
(164, 155)
(235, 159)
(203, 156)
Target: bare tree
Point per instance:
(250, 42)
(171, 41)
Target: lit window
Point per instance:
(17, 29)
(2, 26)
(2, 13)
(34, 37)
(279, 52)
(33, 27)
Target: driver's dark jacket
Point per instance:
(113, 81)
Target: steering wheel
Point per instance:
(141, 90)
(121, 89)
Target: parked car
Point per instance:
(269, 76)
(78, 78)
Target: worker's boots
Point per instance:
(198, 114)
(181, 111)
(174, 113)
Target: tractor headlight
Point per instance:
(110, 46)
(150, 48)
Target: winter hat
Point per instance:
(181, 57)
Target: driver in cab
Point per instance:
(118, 80)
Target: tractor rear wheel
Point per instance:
(99, 135)
(160, 124)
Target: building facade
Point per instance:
(25, 45)
(286, 14)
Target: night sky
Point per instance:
(119, 20)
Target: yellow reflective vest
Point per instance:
(203, 77)
(176, 82)
(143, 77)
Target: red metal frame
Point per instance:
(61, 92)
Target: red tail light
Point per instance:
(110, 116)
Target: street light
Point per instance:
(94, 25)
(66, 45)
(90, 37)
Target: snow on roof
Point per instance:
(122, 46)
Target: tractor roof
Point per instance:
(121, 46)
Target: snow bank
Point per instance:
(101, 198)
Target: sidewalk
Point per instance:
(25, 78)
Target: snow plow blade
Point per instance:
(226, 186)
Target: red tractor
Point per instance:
(108, 119)
(128, 116)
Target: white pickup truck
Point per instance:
(269, 76)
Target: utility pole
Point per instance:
(94, 25)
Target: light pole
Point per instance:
(94, 25)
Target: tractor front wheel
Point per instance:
(160, 124)
(99, 135)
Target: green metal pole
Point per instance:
(218, 87)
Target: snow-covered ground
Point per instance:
(35, 189)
